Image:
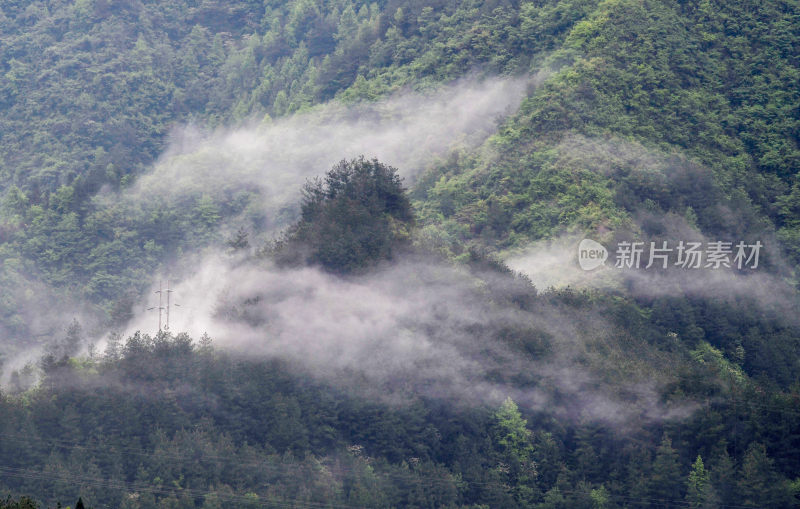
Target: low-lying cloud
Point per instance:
(408, 130)
(409, 328)
(668, 180)
(413, 328)
(554, 263)
(273, 159)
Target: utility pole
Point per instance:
(160, 307)
(168, 292)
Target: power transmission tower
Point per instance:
(168, 305)
(161, 308)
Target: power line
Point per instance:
(148, 488)
(212, 458)
(277, 467)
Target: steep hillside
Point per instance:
(92, 89)
(371, 346)
(664, 105)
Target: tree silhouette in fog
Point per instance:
(356, 215)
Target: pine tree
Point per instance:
(698, 478)
(356, 216)
(758, 483)
(700, 492)
(723, 478)
(513, 442)
(665, 480)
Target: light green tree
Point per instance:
(700, 492)
(513, 442)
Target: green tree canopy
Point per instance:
(355, 216)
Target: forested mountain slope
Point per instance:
(641, 119)
(91, 89)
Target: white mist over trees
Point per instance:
(360, 342)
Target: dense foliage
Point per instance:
(166, 422)
(162, 421)
(642, 114)
(91, 89)
(639, 87)
(358, 215)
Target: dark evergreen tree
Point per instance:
(665, 484)
(357, 215)
(758, 485)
